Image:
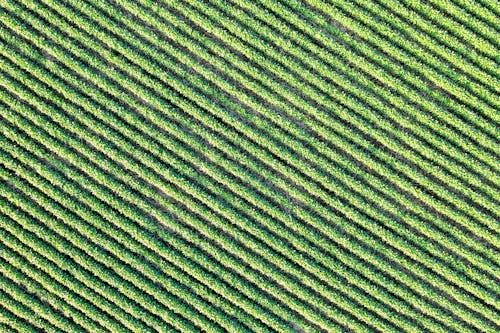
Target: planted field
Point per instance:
(249, 166)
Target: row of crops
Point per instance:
(236, 166)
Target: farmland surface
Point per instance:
(249, 166)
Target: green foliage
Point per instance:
(249, 166)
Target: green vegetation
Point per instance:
(207, 165)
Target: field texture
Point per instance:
(249, 166)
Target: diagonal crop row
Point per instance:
(32, 308)
(183, 232)
(8, 326)
(441, 159)
(268, 269)
(445, 36)
(461, 24)
(414, 80)
(395, 124)
(329, 60)
(423, 42)
(168, 269)
(260, 92)
(128, 275)
(164, 217)
(357, 33)
(110, 292)
(67, 279)
(485, 11)
(53, 293)
(11, 313)
(186, 165)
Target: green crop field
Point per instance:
(249, 166)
